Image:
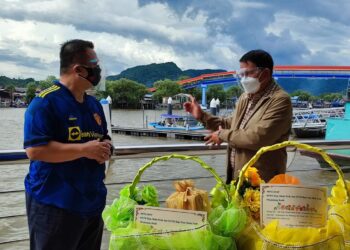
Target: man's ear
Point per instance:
(77, 69)
(266, 74)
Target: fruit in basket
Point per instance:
(284, 179)
(188, 197)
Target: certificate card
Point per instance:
(169, 219)
(293, 206)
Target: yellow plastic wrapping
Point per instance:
(340, 209)
(335, 235)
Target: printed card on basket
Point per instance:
(293, 206)
(169, 219)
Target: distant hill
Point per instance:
(5, 81)
(148, 74)
(197, 72)
(314, 86)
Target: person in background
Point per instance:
(263, 117)
(67, 142)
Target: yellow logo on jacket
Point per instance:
(74, 134)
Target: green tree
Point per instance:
(48, 82)
(101, 94)
(216, 91)
(166, 88)
(313, 98)
(11, 89)
(125, 93)
(331, 96)
(183, 77)
(196, 92)
(234, 91)
(303, 95)
(30, 93)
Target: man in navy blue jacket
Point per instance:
(67, 142)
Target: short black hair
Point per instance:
(259, 57)
(73, 51)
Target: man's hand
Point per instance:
(213, 138)
(193, 108)
(96, 150)
(111, 148)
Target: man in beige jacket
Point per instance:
(263, 116)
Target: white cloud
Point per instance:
(132, 35)
(193, 34)
(327, 41)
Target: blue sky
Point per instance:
(195, 34)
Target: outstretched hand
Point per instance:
(213, 138)
(193, 107)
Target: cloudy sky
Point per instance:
(195, 34)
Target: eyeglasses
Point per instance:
(92, 63)
(244, 72)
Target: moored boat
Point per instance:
(339, 156)
(177, 122)
(337, 128)
(312, 122)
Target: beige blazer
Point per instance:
(270, 123)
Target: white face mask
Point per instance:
(250, 85)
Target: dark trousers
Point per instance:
(52, 228)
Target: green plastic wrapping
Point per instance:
(218, 198)
(137, 236)
(149, 195)
(228, 221)
(127, 234)
(119, 214)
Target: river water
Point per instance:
(13, 227)
(11, 126)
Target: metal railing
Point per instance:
(315, 118)
(124, 151)
(149, 151)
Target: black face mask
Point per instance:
(94, 75)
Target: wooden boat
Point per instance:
(339, 156)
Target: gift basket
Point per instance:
(225, 218)
(334, 235)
